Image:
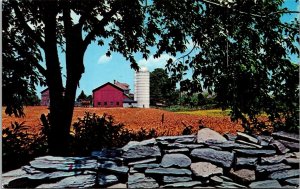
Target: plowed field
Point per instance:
(136, 118)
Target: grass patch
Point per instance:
(212, 113)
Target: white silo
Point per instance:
(142, 88)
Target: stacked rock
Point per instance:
(207, 159)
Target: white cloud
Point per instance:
(151, 63)
(104, 59)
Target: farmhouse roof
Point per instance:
(123, 86)
(109, 83)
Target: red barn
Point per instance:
(45, 100)
(111, 95)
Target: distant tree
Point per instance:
(33, 100)
(162, 88)
(81, 96)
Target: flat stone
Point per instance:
(230, 137)
(104, 180)
(226, 178)
(180, 145)
(230, 185)
(214, 156)
(292, 161)
(280, 148)
(63, 163)
(271, 168)
(294, 146)
(139, 180)
(149, 142)
(245, 161)
(181, 150)
(255, 152)
(205, 169)
(249, 143)
(172, 179)
(265, 184)
(113, 167)
(168, 171)
(80, 181)
(286, 136)
(132, 170)
(264, 140)
(292, 181)
(227, 145)
(145, 166)
(183, 184)
(177, 139)
(273, 159)
(284, 174)
(245, 137)
(141, 152)
(216, 180)
(31, 170)
(208, 134)
(108, 154)
(150, 160)
(175, 160)
(13, 175)
(243, 175)
(119, 185)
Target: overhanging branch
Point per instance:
(26, 27)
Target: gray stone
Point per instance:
(294, 146)
(249, 143)
(175, 160)
(245, 137)
(271, 168)
(265, 184)
(145, 166)
(181, 150)
(177, 139)
(230, 137)
(31, 170)
(208, 134)
(227, 145)
(243, 175)
(280, 148)
(284, 174)
(63, 163)
(113, 167)
(104, 180)
(132, 170)
(80, 181)
(214, 156)
(139, 152)
(292, 181)
(264, 140)
(183, 184)
(255, 152)
(139, 180)
(245, 161)
(180, 145)
(273, 159)
(286, 136)
(11, 176)
(108, 154)
(172, 179)
(149, 142)
(230, 185)
(205, 169)
(292, 161)
(216, 180)
(119, 185)
(168, 171)
(226, 178)
(142, 161)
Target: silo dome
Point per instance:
(143, 69)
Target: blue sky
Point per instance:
(100, 69)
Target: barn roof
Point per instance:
(123, 86)
(109, 83)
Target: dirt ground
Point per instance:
(135, 119)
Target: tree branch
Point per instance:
(26, 27)
(99, 26)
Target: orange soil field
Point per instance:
(134, 119)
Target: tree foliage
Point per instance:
(241, 52)
(81, 96)
(162, 88)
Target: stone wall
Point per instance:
(203, 160)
